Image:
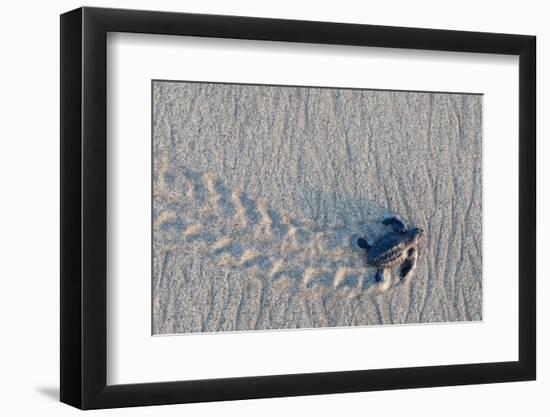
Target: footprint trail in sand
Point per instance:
(241, 233)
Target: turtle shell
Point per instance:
(388, 250)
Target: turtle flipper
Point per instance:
(395, 223)
(409, 265)
(382, 279)
(380, 275)
(363, 243)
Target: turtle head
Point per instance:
(415, 235)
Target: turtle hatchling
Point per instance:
(396, 248)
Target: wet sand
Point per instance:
(260, 193)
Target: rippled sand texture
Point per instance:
(260, 192)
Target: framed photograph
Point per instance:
(255, 208)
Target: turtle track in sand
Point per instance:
(201, 213)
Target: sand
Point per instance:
(260, 193)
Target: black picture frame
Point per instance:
(84, 207)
